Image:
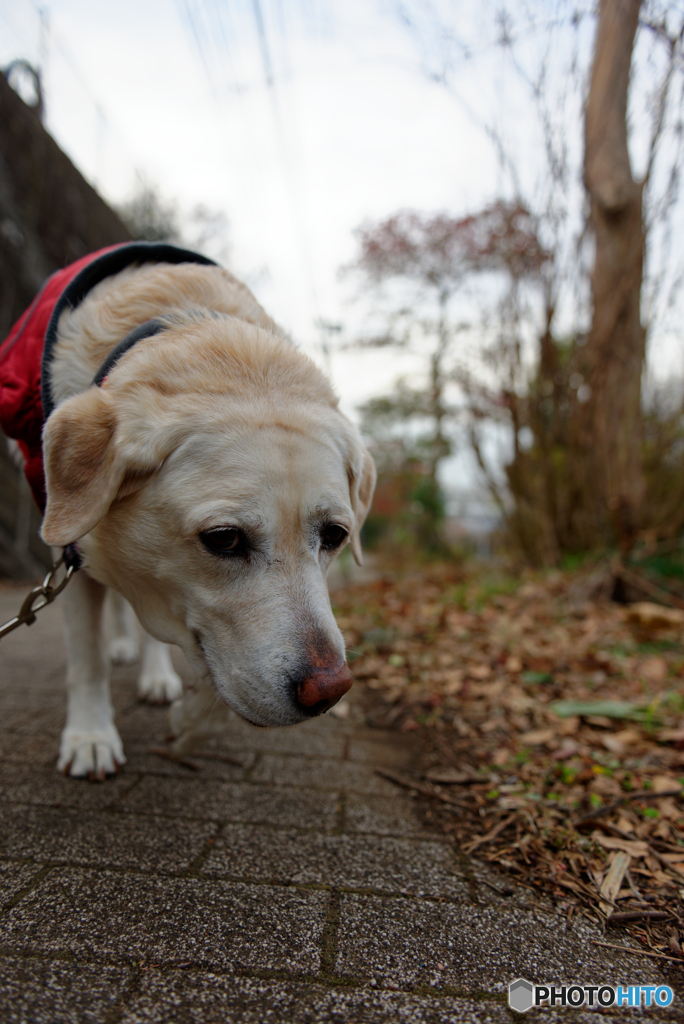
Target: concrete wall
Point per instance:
(49, 217)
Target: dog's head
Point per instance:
(211, 481)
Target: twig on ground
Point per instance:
(419, 787)
(630, 883)
(210, 756)
(640, 952)
(644, 794)
(492, 834)
(176, 758)
(639, 915)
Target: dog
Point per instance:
(199, 465)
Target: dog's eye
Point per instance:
(332, 536)
(223, 542)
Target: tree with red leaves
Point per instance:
(438, 251)
(419, 263)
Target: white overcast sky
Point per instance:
(351, 129)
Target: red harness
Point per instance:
(26, 354)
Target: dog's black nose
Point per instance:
(322, 687)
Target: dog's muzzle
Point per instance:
(319, 689)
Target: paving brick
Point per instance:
(324, 736)
(115, 840)
(377, 750)
(14, 877)
(22, 783)
(124, 917)
(35, 712)
(199, 997)
(320, 773)
(414, 942)
(14, 718)
(492, 886)
(355, 862)
(141, 724)
(34, 991)
(44, 637)
(28, 748)
(206, 946)
(392, 816)
(195, 798)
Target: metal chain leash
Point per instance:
(44, 594)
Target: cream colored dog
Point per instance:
(210, 481)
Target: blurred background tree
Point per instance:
(416, 267)
(556, 314)
(153, 218)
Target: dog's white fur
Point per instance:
(216, 422)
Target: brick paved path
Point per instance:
(299, 887)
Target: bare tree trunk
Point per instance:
(440, 445)
(609, 480)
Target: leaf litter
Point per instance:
(552, 729)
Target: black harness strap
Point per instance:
(146, 330)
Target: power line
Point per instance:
(215, 39)
(288, 171)
(263, 44)
(197, 33)
(210, 56)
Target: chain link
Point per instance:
(43, 594)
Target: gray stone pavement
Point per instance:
(297, 887)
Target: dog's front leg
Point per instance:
(158, 683)
(124, 646)
(90, 744)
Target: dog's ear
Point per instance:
(361, 486)
(81, 470)
(85, 469)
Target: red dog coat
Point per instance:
(26, 354)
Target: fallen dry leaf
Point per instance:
(606, 786)
(618, 742)
(664, 783)
(537, 737)
(613, 880)
(653, 670)
(631, 846)
(663, 830)
(369, 667)
(671, 735)
(654, 616)
(567, 749)
(479, 671)
(668, 809)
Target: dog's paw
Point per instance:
(92, 755)
(159, 685)
(197, 715)
(124, 650)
